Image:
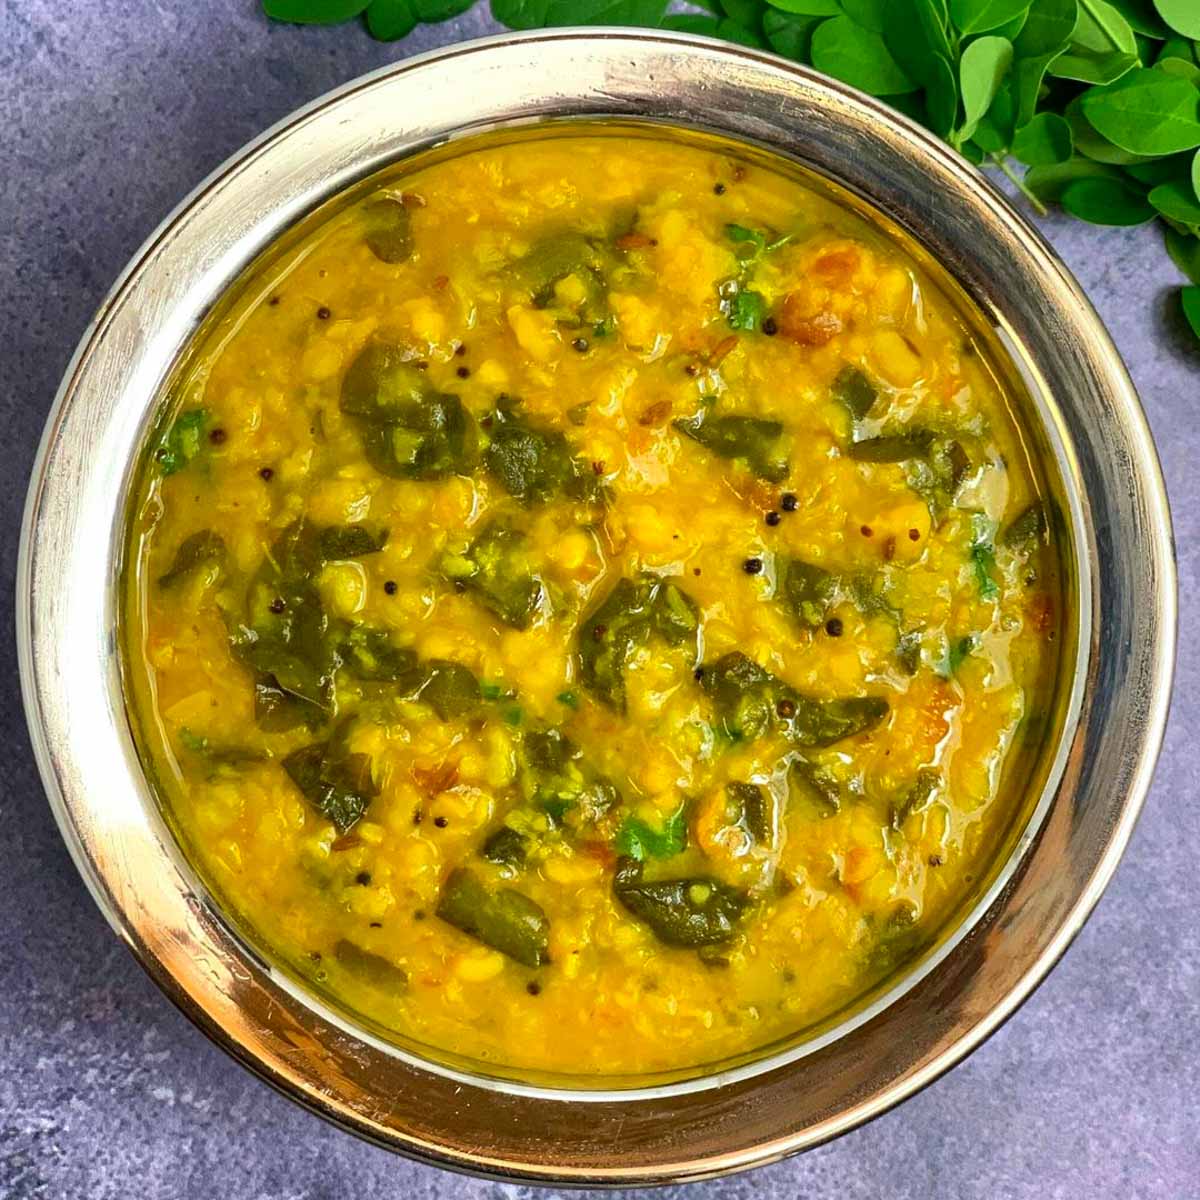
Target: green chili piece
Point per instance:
(698, 911)
(370, 968)
(203, 549)
(506, 920)
(388, 230)
(756, 443)
(855, 392)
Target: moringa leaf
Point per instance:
(1183, 16)
(1190, 299)
(859, 57)
(390, 20)
(1046, 140)
(985, 63)
(1177, 201)
(1146, 112)
(984, 16)
(1184, 250)
(1106, 202)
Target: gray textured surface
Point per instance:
(111, 112)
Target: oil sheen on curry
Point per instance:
(584, 597)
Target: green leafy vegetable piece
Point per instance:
(918, 796)
(639, 840)
(495, 570)
(1146, 112)
(1027, 528)
(1141, 17)
(958, 650)
(449, 688)
(1184, 250)
(370, 968)
(1189, 297)
(506, 920)
(626, 619)
(183, 441)
(204, 549)
(756, 443)
(1106, 202)
(892, 448)
(698, 911)
(1177, 201)
(410, 430)
(434, 12)
(908, 652)
(560, 255)
(390, 20)
(859, 57)
(984, 64)
(744, 308)
(854, 390)
(1046, 140)
(809, 8)
(388, 227)
(983, 16)
(1181, 15)
(983, 557)
(815, 782)
(867, 13)
(749, 700)
(506, 847)
(1103, 46)
(521, 14)
(1048, 183)
(806, 590)
(1043, 37)
(752, 808)
(789, 34)
(536, 464)
(371, 655)
(337, 543)
(314, 12)
(339, 786)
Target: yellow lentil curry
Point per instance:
(584, 598)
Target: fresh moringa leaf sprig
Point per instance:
(1098, 99)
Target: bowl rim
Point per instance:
(53, 517)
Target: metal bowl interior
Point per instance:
(1086, 421)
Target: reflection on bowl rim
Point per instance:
(72, 535)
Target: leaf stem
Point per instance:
(1017, 182)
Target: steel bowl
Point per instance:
(1115, 535)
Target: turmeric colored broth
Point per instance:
(582, 604)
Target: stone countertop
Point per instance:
(112, 112)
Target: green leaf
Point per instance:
(1090, 143)
(995, 131)
(1195, 173)
(1048, 183)
(605, 12)
(1106, 202)
(1044, 36)
(1177, 201)
(692, 23)
(390, 20)
(808, 8)
(182, 442)
(858, 57)
(1092, 68)
(1103, 46)
(985, 62)
(1190, 298)
(916, 36)
(1152, 172)
(434, 12)
(1146, 112)
(1141, 17)
(1177, 47)
(1183, 16)
(745, 13)
(520, 14)
(1184, 250)
(637, 839)
(731, 31)
(314, 12)
(941, 97)
(1046, 139)
(788, 34)
(867, 13)
(982, 16)
(1181, 68)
